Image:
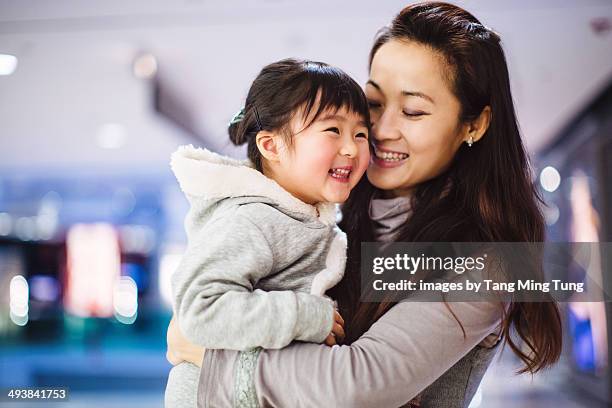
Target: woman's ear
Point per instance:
(268, 145)
(478, 127)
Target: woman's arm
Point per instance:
(180, 349)
(409, 347)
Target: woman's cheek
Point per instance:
(364, 158)
(425, 141)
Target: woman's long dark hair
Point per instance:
(491, 197)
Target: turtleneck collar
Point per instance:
(388, 215)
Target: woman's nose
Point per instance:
(385, 128)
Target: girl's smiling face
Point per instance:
(415, 116)
(326, 159)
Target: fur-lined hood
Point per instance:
(205, 174)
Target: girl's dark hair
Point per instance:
(491, 197)
(283, 88)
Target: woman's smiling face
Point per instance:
(415, 116)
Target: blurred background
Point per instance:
(95, 96)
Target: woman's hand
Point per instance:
(179, 348)
(337, 334)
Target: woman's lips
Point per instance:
(386, 158)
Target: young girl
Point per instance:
(263, 246)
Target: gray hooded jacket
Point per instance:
(257, 263)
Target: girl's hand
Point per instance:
(337, 334)
(180, 349)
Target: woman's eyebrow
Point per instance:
(375, 85)
(405, 93)
(419, 95)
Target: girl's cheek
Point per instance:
(323, 161)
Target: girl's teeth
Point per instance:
(340, 173)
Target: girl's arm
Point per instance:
(217, 305)
(408, 348)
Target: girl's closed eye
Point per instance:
(333, 129)
(362, 134)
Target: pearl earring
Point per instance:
(470, 141)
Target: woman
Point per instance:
(448, 165)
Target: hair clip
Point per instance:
(257, 119)
(237, 117)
